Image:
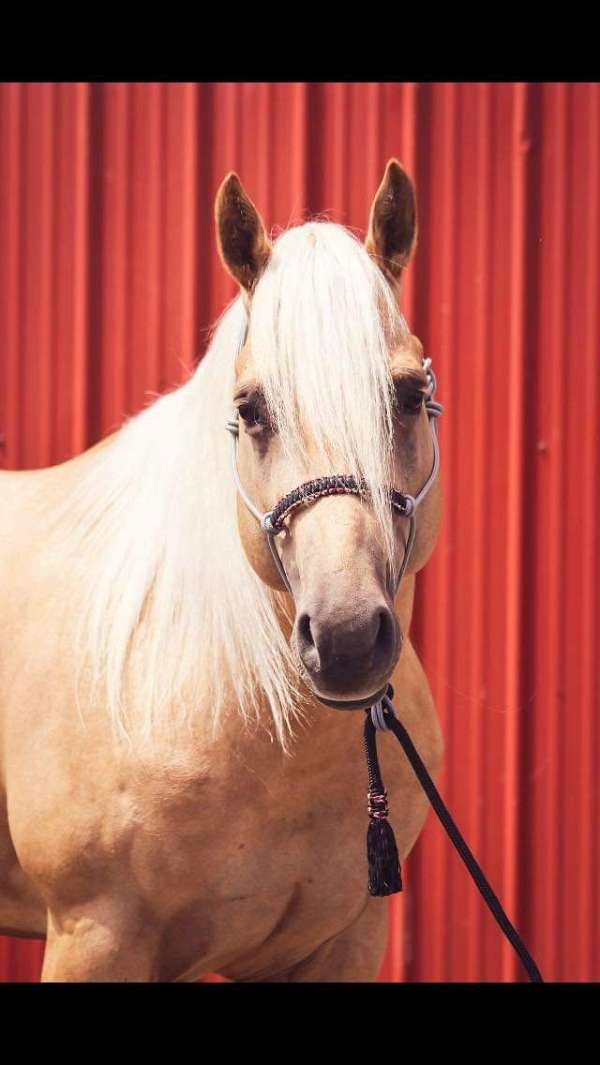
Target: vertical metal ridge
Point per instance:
(446, 257)
(223, 156)
(475, 400)
(589, 919)
(286, 195)
(514, 507)
(431, 860)
(37, 274)
(113, 288)
(69, 339)
(181, 279)
(144, 177)
(580, 550)
(340, 150)
(315, 149)
(532, 370)
(203, 233)
(548, 525)
(11, 208)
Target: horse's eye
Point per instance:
(413, 402)
(409, 400)
(254, 414)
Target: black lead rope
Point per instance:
(382, 853)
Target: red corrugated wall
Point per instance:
(109, 279)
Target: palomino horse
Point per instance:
(181, 791)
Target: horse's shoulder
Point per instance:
(99, 817)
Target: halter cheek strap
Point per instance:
(264, 520)
(272, 522)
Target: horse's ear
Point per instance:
(241, 236)
(393, 222)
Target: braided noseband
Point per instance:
(339, 484)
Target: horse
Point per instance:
(182, 780)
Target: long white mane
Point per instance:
(165, 586)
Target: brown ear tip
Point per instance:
(230, 183)
(396, 172)
(232, 178)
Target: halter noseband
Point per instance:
(272, 523)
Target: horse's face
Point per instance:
(346, 634)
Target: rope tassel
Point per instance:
(382, 853)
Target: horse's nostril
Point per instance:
(305, 630)
(385, 632)
(309, 653)
(344, 642)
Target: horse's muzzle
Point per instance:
(348, 658)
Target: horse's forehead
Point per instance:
(408, 355)
(405, 355)
(243, 360)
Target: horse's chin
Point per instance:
(353, 704)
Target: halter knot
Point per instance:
(379, 710)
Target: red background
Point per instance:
(109, 279)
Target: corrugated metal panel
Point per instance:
(109, 280)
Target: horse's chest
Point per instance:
(262, 884)
(274, 872)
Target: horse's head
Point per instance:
(330, 381)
